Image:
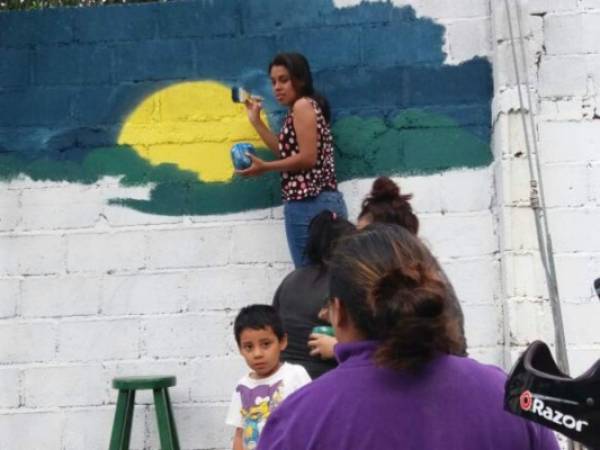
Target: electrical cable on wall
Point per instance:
(537, 199)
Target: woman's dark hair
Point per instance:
(299, 69)
(385, 204)
(258, 317)
(392, 289)
(323, 232)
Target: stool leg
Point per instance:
(121, 432)
(172, 421)
(166, 422)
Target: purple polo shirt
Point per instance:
(454, 403)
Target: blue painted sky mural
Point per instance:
(149, 102)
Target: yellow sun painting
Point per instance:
(191, 124)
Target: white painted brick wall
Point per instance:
(198, 425)
(544, 6)
(213, 378)
(569, 141)
(189, 335)
(456, 235)
(86, 428)
(557, 82)
(106, 251)
(594, 174)
(559, 26)
(58, 296)
(10, 207)
(473, 37)
(51, 208)
(571, 230)
(199, 247)
(233, 286)
(566, 185)
(31, 430)
(24, 342)
(98, 339)
(9, 297)
(90, 291)
(249, 249)
(32, 254)
(9, 388)
(81, 385)
(482, 327)
(143, 293)
(475, 279)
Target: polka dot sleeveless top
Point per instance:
(307, 183)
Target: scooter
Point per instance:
(537, 390)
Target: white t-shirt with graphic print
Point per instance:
(253, 400)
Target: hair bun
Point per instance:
(392, 283)
(384, 189)
(409, 293)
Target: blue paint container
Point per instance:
(238, 155)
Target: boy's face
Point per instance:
(261, 348)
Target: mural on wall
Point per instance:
(159, 111)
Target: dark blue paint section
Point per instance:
(113, 23)
(202, 19)
(69, 77)
(42, 27)
(229, 57)
(109, 102)
(401, 44)
(154, 60)
(14, 67)
(79, 65)
(323, 46)
(260, 17)
(36, 107)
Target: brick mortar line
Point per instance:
(227, 225)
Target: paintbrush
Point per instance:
(241, 95)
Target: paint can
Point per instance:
(239, 156)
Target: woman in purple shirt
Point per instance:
(398, 385)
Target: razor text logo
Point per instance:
(529, 402)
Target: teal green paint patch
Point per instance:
(427, 151)
(176, 198)
(176, 191)
(412, 142)
(180, 192)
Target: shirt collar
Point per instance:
(356, 351)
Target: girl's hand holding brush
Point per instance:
(253, 108)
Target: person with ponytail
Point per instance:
(397, 385)
(386, 204)
(304, 148)
(301, 294)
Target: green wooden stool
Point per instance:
(127, 386)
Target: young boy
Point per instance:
(260, 338)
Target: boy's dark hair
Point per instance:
(258, 317)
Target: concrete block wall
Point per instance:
(90, 290)
(562, 68)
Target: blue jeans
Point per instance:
(299, 213)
